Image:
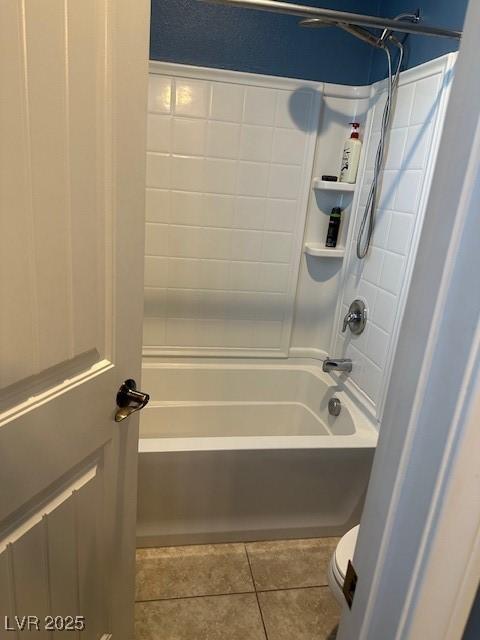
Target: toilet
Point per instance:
(339, 562)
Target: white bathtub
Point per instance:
(248, 451)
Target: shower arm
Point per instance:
(339, 18)
(361, 33)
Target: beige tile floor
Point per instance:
(255, 591)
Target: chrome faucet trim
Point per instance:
(351, 316)
(356, 318)
(337, 364)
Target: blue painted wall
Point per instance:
(441, 13)
(190, 32)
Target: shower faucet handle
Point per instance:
(356, 318)
(350, 317)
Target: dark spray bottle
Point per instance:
(333, 227)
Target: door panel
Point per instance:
(29, 574)
(62, 542)
(5, 590)
(18, 331)
(46, 130)
(56, 428)
(72, 120)
(55, 556)
(55, 122)
(87, 170)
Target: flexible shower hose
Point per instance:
(367, 225)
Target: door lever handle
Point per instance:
(129, 400)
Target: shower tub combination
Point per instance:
(248, 451)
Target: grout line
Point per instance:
(202, 595)
(234, 291)
(214, 227)
(310, 586)
(216, 120)
(249, 566)
(229, 196)
(256, 592)
(217, 158)
(237, 542)
(223, 260)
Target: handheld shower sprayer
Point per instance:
(382, 42)
(367, 225)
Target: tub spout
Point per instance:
(337, 364)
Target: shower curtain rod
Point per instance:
(339, 17)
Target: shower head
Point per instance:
(358, 32)
(362, 34)
(317, 23)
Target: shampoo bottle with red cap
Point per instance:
(351, 156)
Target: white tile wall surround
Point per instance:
(382, 279)
(229, 165)
(319, 282)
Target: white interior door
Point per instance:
(73, 76)
(418, 550)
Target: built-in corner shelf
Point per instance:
(321, 251)
(339, 187)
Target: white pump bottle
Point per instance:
(351, 156)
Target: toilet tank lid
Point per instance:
(345, 550)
